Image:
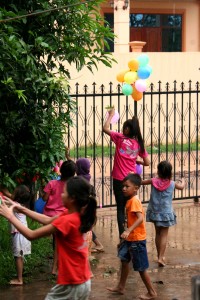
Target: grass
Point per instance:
(98, 151)
(34, 263)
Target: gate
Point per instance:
(169, 121)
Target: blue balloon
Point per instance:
(143, 72)
(149, 68)
(39, 205)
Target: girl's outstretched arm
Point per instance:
(29, 213)
(147, 181)
(7, 212)
(106, 126)
(180, 185)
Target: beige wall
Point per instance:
(167, 67)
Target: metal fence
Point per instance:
(169, 121)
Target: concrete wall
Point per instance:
(167, 67)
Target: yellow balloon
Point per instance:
(130, 77)
(133, 65)
(120, 75)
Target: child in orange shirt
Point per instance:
(133, 247)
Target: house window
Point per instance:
(109, 21)
(162, 32)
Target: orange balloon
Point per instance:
(120, 75)
(133, 65)
(136, 95)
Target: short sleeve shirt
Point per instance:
(54, 205)
(132, 206)
(73, 263)
(126, 153)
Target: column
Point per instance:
(121, 26)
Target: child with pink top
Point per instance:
(52, 195)
(160, 210)
(129, 145)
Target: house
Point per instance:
(170, 29)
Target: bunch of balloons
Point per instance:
(134, 79)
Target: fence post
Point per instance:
(196, 287)
(135, 108)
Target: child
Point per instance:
(129, 145)
(52, 195)
(160, 210)
(83, 169)
(20, 245)
(73, 281)
(134, 245)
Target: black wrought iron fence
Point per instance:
(169, 121)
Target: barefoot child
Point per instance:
(133, 248)
(20, 245)
(73, 281)
(160, 210)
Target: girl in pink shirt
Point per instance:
(129, 145)
(54, 204)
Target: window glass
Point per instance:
(171, 20)
(144, 20)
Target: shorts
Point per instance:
(70, 291)
(20, 245)
(135, 251)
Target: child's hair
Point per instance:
(134, 131)
(165, 170)
(67, 169)
(134, 178)
(22, 195)
(80, 189)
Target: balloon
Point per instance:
(143, 73)
(139, 169)
(136, 95)
(127, 89)
(120, 75)
(141, 85)
(60, 163)
(143, 60)
(56, 169)
(133, 64)
(130, 77)
(149, 68)
(115, 118)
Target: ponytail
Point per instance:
(134, 131)
(85, 201)
(88, 216)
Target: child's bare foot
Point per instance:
(16, 282)
(148, 296)
(117, 290)
(161, 263)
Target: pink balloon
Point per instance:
(141, 85)
(56, 169)
(139, 169)
(115, 118)
(60, 163)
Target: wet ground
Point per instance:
(171, 282)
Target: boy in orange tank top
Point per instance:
(133, 245)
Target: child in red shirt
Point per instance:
(73, 281)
